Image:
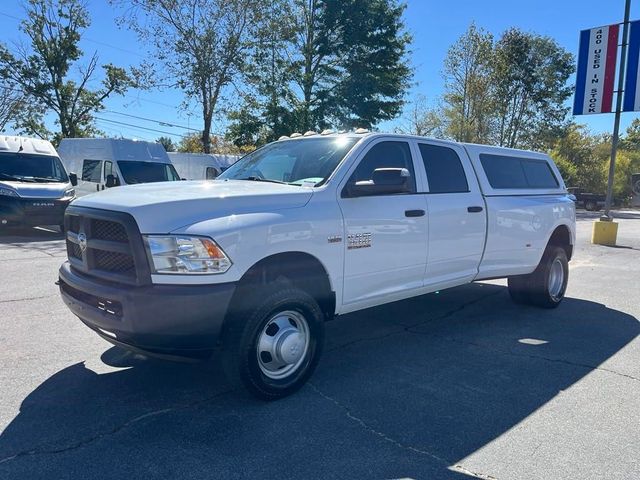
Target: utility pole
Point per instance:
(616, 125)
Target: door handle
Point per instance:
(474, 209)
(414, 213)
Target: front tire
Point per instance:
(273, 346)
(546, 286)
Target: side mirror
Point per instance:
(73, 178)
(112, 181)
(384, 181)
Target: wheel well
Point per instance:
(561, 237)
(297, 269)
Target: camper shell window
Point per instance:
(507, 172)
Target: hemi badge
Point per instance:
(334, 239)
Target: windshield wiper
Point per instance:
(15, 178)
(45, 179)
(258, 179)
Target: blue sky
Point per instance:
(435, 25)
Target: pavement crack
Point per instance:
(27, 298)
(365, 426)
(483, 476)
(113, 431)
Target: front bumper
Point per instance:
(32, 211)
(162, 320)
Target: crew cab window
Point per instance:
(91, 170)
(445, 173)
(505, 172)
(385, 155)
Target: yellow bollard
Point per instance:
(604, 232)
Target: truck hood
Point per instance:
(167, 206)
(53, 190)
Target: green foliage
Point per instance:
(43, 71)
(468, 98)
(167, 143)
(201, 45)
(511, 92)
(324, 63)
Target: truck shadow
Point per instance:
(404, 390)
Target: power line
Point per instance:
(97, 42)
(138, 126)
(160, 122)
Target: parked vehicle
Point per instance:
(200, 166)
(34, 186)
(302, 230)
(589, 201)
(109, 162)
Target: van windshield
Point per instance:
(308, 161)
(26, 167)
(147, 172)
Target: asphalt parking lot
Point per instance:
(456, 384)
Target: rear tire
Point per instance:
(546, 286)
(273, 346)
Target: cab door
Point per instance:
(91, 178)
(456, 213)
(385, 236)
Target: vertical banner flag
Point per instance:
(631, 91)
(596, 70)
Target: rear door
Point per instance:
(456, 213)
(385, 236)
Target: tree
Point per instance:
(43, 71)
(530, 74)
(369, 61)
(325, 63)
(468, 87)
(201, 43)
(11, 101)
(422, 120)
(167, 143)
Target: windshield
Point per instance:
(147, 172)
(25, 167)
(298, 162)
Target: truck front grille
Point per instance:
(107, 245)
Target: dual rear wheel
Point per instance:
(546, 286)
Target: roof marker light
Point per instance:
(310, 133)
(296, 135)
(283, 137)
(362, 130)
(327, 131)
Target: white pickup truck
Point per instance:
(305, 229)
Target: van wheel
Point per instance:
(546, 286)
(273, 347)
(591, 206)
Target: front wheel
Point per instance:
(272, 347)
(546, 286)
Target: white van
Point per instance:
(109, 162)
(201, 166)
(35, 189)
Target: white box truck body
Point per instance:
(201, 166)
(102, 163)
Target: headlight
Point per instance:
(8, 192)
(186, 254)
(69, 193)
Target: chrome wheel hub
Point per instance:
(283, 344)
(556, 278)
